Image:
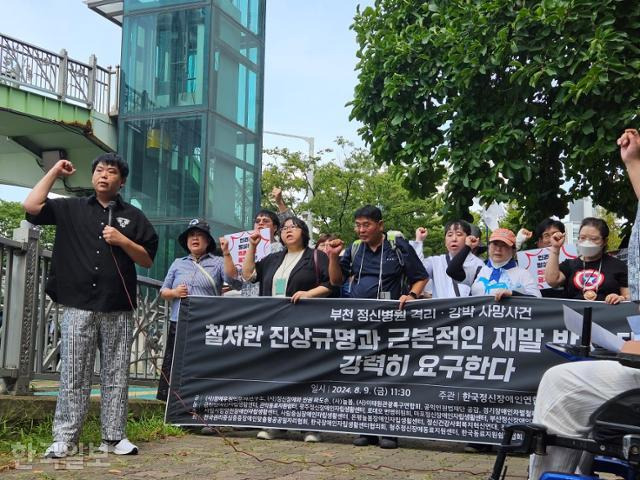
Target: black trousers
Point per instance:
(165, 374)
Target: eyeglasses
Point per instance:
(364, 226)
(286, 228)
(263, 221)
(584, 238)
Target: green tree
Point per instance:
(342, 186)
(507, 100)
(615, 231)
(11, 213)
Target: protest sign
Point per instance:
(239, 244)
(535, 261)
(450, 369)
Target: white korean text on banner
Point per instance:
(449, 369)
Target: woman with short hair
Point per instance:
(297, 272)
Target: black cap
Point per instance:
(203, 226)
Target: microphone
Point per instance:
(110, 206)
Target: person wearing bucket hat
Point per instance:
(501, 276)
(202, 226)
(198, 273)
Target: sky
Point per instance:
(310, 55)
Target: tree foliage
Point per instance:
(507, 100)
(11, 213)
(343, 185)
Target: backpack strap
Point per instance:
(355, 246)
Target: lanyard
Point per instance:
(380, 267)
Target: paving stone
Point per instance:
(210, 457)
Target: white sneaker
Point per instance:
(60, 450)
(312, 437)
(270, 434)
(123, 447)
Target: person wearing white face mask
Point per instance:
(594, 275)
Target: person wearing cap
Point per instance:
(501, 276)
(199, 273)
(441, 284)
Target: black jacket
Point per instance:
(304, 276)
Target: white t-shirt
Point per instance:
(516, 279)
(442, 285)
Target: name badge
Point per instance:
(385, 295)
(281, 286)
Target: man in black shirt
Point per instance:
(99, 239)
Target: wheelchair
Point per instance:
(615, 437)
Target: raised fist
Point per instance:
(557, 240)
(471, 241)
(629, 143)
(334, 247)
(276, 195)
(421, 234)
(224, 245)
(64, 168)
(255, 237)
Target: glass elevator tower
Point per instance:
(190, 121)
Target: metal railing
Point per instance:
(30, 320)
(87, 84)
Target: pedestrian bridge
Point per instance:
(50, 102)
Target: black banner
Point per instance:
(454, 369)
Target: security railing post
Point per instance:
(116, 108)
(21, 321)
(91, 82)
(63, 73)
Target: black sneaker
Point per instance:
(365, 440)
(388, 442)
(478, 448)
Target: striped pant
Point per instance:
(81, 332)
